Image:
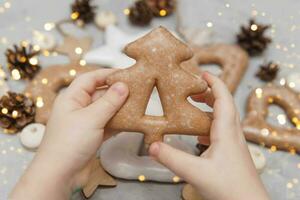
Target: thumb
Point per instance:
(105, 107)
(182, 164)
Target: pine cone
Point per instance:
(17, 111)
(22, 62)
(140, 14)
(161, 8)
(268, 72)
(82, 12)
(252, 38)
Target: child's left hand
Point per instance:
(74, 133)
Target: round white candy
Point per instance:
(105, 18)
(258, 158)
(32, 135)
(43, 39)
(293, 81)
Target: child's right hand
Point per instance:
(225, 171)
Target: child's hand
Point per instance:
(225, 170)
(74, 133)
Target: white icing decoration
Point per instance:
(105, 18)
(111, 53)
(32, 135)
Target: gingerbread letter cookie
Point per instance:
(256, 128)
(232, 59)
(48, 82)
(158, 56)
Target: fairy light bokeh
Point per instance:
(288, 59)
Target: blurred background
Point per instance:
(199, 22)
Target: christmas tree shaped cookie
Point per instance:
(158, 57)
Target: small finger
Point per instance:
(224, 108)
(81, 89)
(182, 164)
(106, 106)
(206, 97)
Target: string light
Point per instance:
(15, 114)
(33, 61)
(126, 11)
(289, 185)
(292, 84)
(270, 100)
(258, 92)
(265, 132)
(142, 178)
(282, 81)
(281, 119)
(4, 111)
(44, 81)
(15, 74)
(49, 26)
(253, 27)
(209, 24)
(72, 72)
(82, 62)
(176, 179)
(162, 12)
(273, 148)
(46, 53)
(36, 47)
(75, 15)
(39, 102)
(78, 50)
(292, 151)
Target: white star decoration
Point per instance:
(111, 53)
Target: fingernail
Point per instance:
(154, 149)
(120, 88)
(204, 74)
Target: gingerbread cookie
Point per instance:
(98, 177)
(232, 59)
(256, 128)
(158, 56)
(48, 82)
(189, 193)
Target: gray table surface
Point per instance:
(282, 169)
